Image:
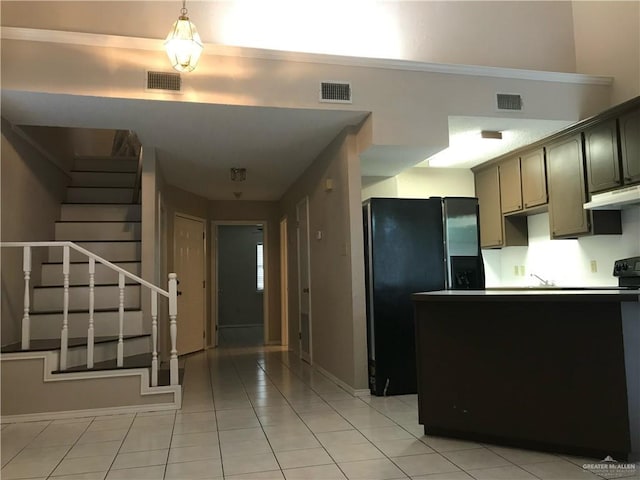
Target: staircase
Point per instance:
(102, 344)
(100, 215)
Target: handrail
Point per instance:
(171, 295)
(91, 255)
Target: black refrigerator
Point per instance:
(412, 245)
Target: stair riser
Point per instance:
(77, 356)
(104, 324)
(97, 231)
(100, 213)
(99, 195)
(102, 179)
(106, 164)
(51, 299)
(112, 251)
(79, 273)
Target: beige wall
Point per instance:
(467, 32)
(421, 182)
(435, 182)
(32, 190)
(337, 306)
(56, 143)
(607, 39)
(379, 187)
(405, 112)
(92, 141)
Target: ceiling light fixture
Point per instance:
(495, 134)
(238, 174)
(183, 44)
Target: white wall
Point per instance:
(565, 262)
(605, 33)
(436, 182)
(379, 187)
(32, 189)
(539, 34)
(421, 183)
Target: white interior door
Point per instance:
(304, 280)
(284, 284)
(189, 263)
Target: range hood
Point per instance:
(614, 200)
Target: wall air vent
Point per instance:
(509, 101)
(335, 92)
(167, 82)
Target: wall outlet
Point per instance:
(516, 270)
(522, 270)
(594, 266)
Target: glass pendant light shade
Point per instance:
(183, 44)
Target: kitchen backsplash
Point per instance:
(587, 261)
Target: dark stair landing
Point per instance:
(142, 360)
(42, 345)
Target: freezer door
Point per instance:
(463, 256)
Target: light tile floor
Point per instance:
(260, 413)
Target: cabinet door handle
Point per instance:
(627, 179)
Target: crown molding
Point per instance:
(138, 43)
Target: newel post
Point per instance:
(173, 327)
(26, 321)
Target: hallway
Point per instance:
(260, 413)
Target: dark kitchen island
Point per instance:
(549, 369)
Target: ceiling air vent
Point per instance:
(508, 101)
(167, 82)
(335, 92)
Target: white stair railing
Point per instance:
(170, 294)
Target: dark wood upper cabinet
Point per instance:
(630, 146)
(488, 193)
(602, 156)
(565, 176)
(510, 191)
(534, 178)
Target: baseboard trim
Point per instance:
(355, 392)
(94, 412)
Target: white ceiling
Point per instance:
(467, 149)
(197, 144)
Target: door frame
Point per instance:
(284, 282)
(215, 280)
(304, 201)
(204, 269)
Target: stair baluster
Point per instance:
(26, 322)
(64, 337)
(173, 328)
(90, 331)
(171, 294)
(121, 321)
(154, 338)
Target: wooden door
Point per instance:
(189, 263)
(488, 193)
(284, 284)
(630, 145)
(566, 188)
(304, 280)
(602, 157)
(534, 178)
(510, 188)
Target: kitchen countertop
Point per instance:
(532, 294)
